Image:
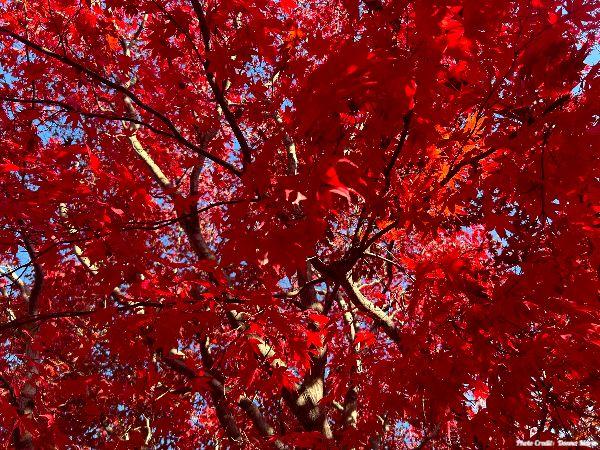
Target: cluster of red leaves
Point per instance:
(345, 224)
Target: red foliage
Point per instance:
(298, 224)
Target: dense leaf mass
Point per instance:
(298, 223)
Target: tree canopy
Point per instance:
(298, 223)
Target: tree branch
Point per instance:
(265, 429)
(217, 92)
(119, 88)
(38, 281)
(91, 114)
(465, 162)
(43, 317)
(360, 301)
(388, 170)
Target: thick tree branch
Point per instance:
(5, 384)
(217, 393)
(84, 260)
(372, 310)
(290, 149)
(265, 429)
(360, 301)
(190, 221)
(16, 280)
(350, 407)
